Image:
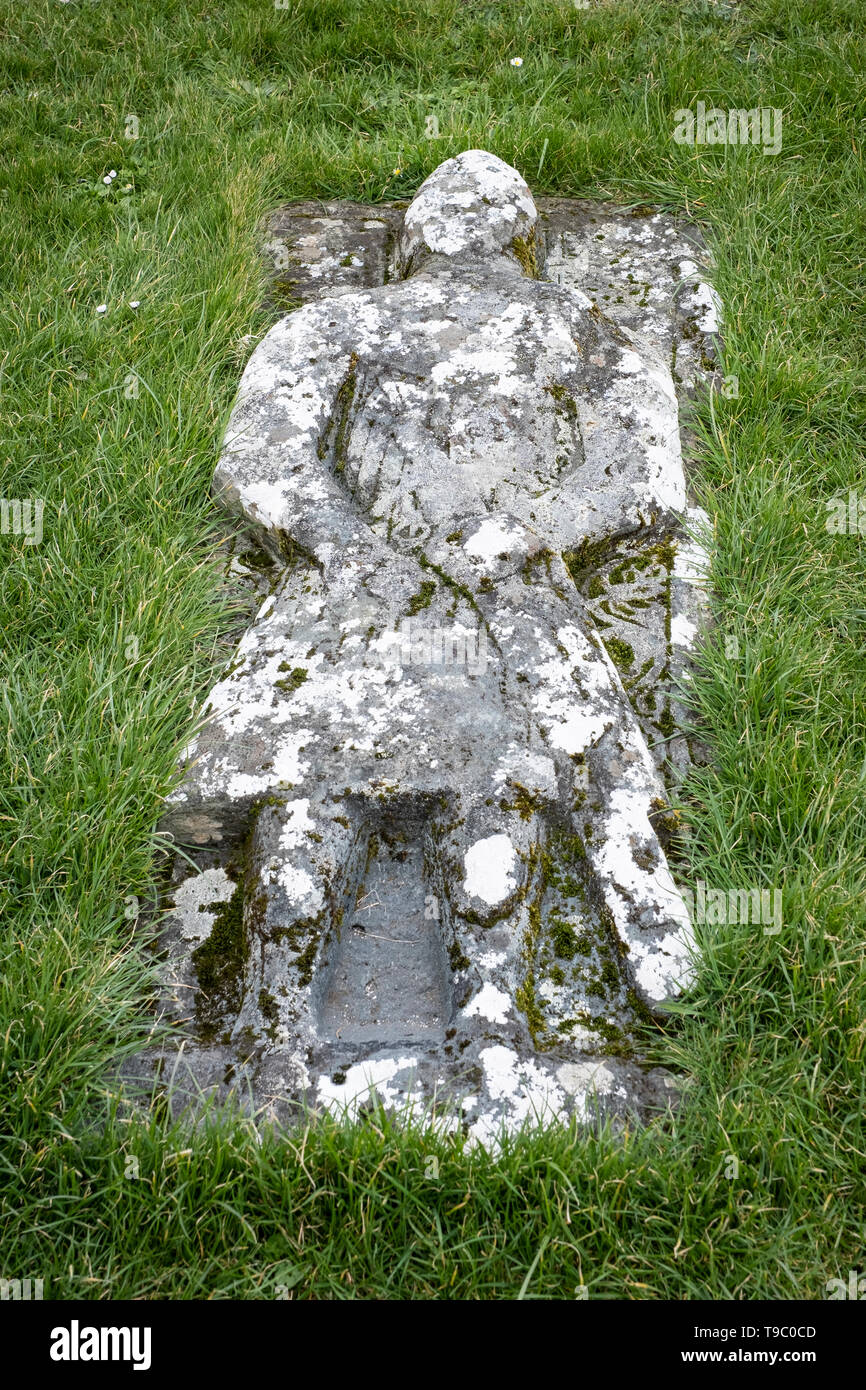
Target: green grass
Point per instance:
(115, 420)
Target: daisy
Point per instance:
(517, 62)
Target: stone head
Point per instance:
(473, 208)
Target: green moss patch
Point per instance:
(622, 653)
(219, 964)
(293, 680)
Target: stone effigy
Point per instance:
(425, 820)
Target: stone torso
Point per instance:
(442, 399)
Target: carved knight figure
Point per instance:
(426, 815)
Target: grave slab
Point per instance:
(423, 828)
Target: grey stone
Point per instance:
(317, 249)
(424, 810)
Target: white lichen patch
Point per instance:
(376, 1076)
(490, 869)
(630, 362)
(298, 824)
(194, 896)
(490, 1003)
(576, 712)
(683, 630)
(492, 538)
(518, 1092)
(491, 960)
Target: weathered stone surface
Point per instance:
(425, 809)
(317, 249)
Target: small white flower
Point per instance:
(395, 172)
(517, 62)
(106, 179)
(134, 303)
(112, 173)
(101, 308)
(127, 188)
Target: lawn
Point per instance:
(113, 625)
